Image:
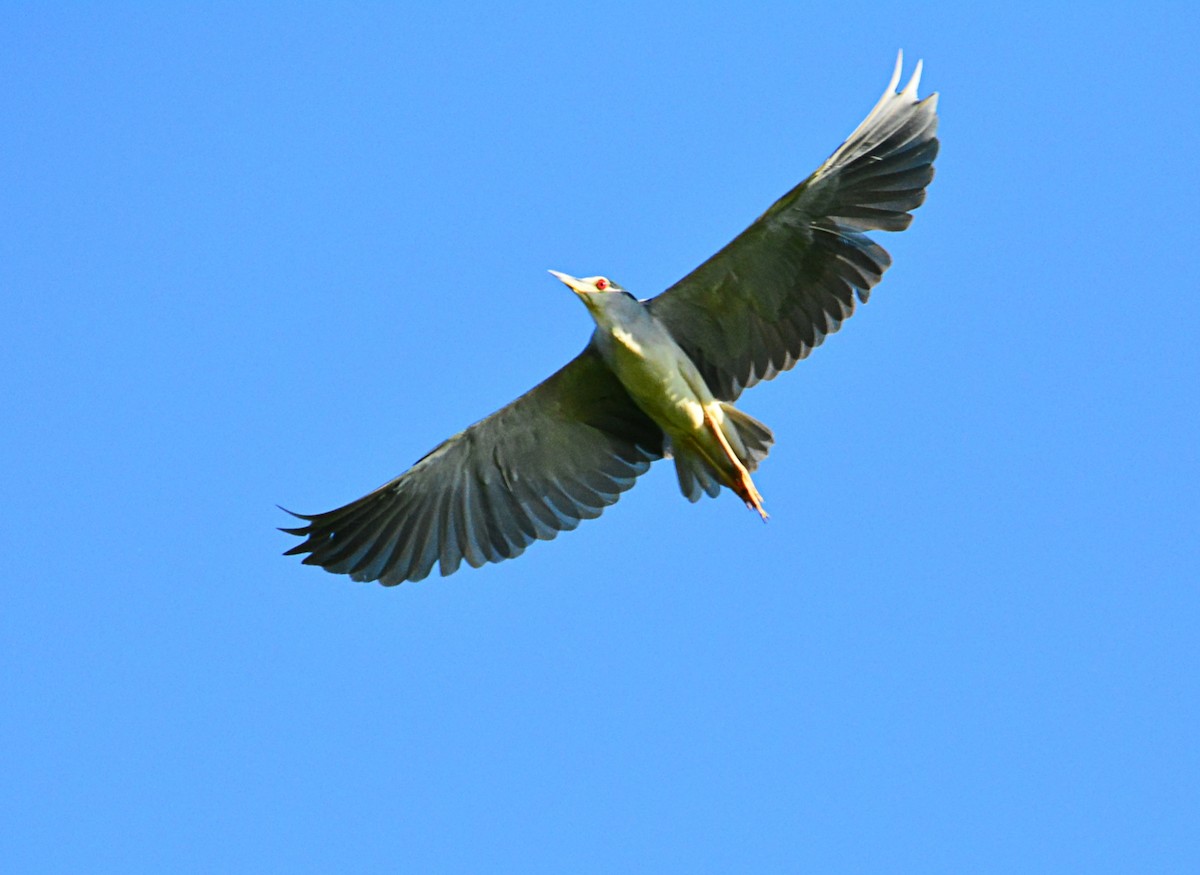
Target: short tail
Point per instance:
(749, 439)
(696, 476)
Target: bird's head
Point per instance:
(590, 286)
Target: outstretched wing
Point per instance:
(560, 453)
(771, 296)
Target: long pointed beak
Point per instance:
(571, 282)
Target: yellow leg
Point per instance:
(744, 487)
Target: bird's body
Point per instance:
(656, 373)
(657, 378)
(701, 433)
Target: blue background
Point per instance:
(277, 254)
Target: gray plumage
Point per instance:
(657, 377)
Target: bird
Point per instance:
(657, 379)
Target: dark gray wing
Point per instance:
(772, 295)
(560, 453)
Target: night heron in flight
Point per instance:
(657, 379)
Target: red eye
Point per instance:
(602, 284)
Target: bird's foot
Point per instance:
(746, 492)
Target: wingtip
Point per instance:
(910, 90)
(891, 89)
(299, 516)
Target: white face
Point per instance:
(588, 285)
(597, 283)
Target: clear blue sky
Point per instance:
(277, 254)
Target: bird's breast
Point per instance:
(658, 375)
